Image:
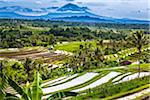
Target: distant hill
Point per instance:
(68, 12)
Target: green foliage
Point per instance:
(16, 38)
(36, 88)
(17, 23)
(139, 39)
(73, 46)
(111, 63)
(109, 89)
(28, 92)
(3, 81)
(2, 94)
(60, 95)
(88, 56)
(18, 89)
(23, 71)
(41, 33)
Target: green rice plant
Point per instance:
(109, 89)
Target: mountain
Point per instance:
(49, 8)
(15, 9)
(71, 7)
(9, 14)
(20, 11)
(10, 9)
(68, 12)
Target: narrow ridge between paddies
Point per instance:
(77, 81)
(98, 82)
(133, 76)
(62, 81)
(121, 76)
(52, 81)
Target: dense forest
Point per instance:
(48, 23)
(25, 33)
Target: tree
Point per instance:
(87, 57)
(138, 39)
(28, 66)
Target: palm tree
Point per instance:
(100, 43)
(138, 39)
(28, 66)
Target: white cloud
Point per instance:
(6, 0)
(38, 2)
(111, 1)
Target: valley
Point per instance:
(73, 60)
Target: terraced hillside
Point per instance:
(87, 82)
(105, 83)
(34, 53)
(50, 60)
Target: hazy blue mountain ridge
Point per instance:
(68, 12)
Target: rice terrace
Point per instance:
(69, 51)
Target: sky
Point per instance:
(133, 9)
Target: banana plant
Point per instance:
(3, 81)
(29, 92)
(36, 91)
(3, 84)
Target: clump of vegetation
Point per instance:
(23, 72)
(87, 57)
(90, 56)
